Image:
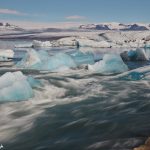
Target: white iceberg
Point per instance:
(15, 87)
(36, 43)
(8, 53)
(68, 41)
(111, 64)
(91, 43)
(141, 55)
(82, 42)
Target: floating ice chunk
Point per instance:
(17, 91)
(69, 41)
(83, 42)
(110, 64)
(34, 83)
(124, 55)
(92, 43)
(30, 60)
(7, 53)
(147, 51)
(14, 87)
(43, 55)
(141, 55)
(137, 55)
(147, 46)
(132, 54)
(83, 58)
(8, 78)
(36, 43)
(129, 55)
(42, 61)
(58, 61)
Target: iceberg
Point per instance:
(137, 55)
(141, 55)
(111, 64)
(36, 43)
(58, 61)
(83, 58)
(147, 46)
(34, 83)
(82, 42)
(31, 60)
(15, 87)
(68, 41)
(42, 61)
(8, 53)
(91, 43)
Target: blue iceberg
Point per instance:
(15, 87)
(34, 83)
(111, 64)
(132, 54)
(147, 46)
(83, 58)
(58, 61)
(135, 55)
(42, 61)
(31, 60)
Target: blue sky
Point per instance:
(76, 10)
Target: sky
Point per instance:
(75, 11)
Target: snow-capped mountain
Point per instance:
(95, 27)
(136, 27)
(116, 26)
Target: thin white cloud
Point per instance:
(11, 12)
(75, 17)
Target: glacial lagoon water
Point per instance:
(76, 110)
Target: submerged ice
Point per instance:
(110, 64)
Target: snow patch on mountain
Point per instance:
(116, 26)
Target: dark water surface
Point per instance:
(78, 111)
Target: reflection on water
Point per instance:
(76, 111)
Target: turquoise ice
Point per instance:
(111, 64)
(15, 87)
(42, 61)
(83, 58)
(136, 55)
